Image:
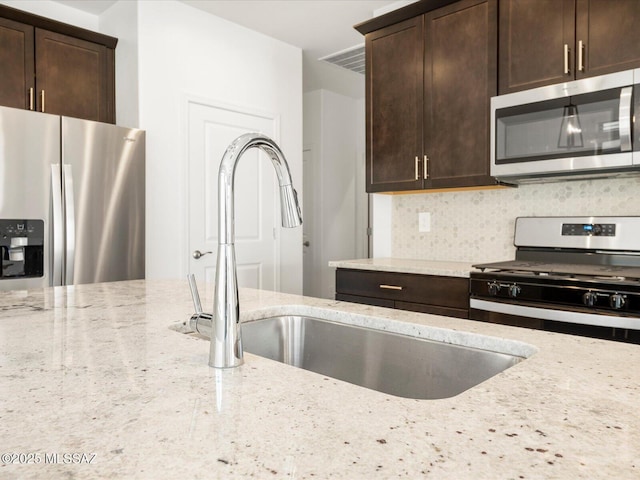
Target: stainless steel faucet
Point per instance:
(226, 338)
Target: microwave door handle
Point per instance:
(624, 118)
(70, 224)
(57, 236)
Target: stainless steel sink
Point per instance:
(396, 364)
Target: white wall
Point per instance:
(320, 75)
(183, 51)
(362, 198)
(332, 128)
(121, 21)
(381, 208)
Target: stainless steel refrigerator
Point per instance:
(72, 200)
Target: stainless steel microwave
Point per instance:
(580, 129)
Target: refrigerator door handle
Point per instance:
(58, 228)
(70, 223)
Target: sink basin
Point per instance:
(391, 363)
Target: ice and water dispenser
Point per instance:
(22, 248)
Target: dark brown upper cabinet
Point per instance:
(460, 79)
(429, 81)
(72, 77)
(16, 57)
(543, 42)
(394, 93)
(60, 69)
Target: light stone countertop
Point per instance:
(404, 265)
(97, 370)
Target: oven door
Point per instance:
(575, 128)
(556, 314)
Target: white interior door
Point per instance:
(210, 131)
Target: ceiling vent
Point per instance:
(349, 58)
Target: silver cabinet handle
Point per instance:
(580, 56)
(624, 118)
(425, 168)
(567, 71)
(391, 287)
(31, 98)
(417, 168)
(42, 101)
(70, 223)
(197, 254)
(57, 225)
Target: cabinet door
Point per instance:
(72, 77)
(610, 34)
(16, 58)
(533, 35)
(460, 79)
(394, 63)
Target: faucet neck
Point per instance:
(226, 178)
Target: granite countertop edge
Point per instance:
(406, 265)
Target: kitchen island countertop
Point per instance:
(406, 265)
(96, 371)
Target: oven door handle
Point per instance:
(624, 118)
(583, 318)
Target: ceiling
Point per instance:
(318, 27)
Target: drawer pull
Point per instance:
(391, 287)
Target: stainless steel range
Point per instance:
(577, 271)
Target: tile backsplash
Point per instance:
(477, 226)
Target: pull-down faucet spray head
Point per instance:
(289, 207)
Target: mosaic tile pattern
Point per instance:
(477, 226)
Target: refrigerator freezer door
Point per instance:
(104, 192)
(29, 145)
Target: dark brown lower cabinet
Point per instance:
(433, 294)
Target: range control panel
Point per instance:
(589, 229)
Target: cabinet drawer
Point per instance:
(452, 292)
